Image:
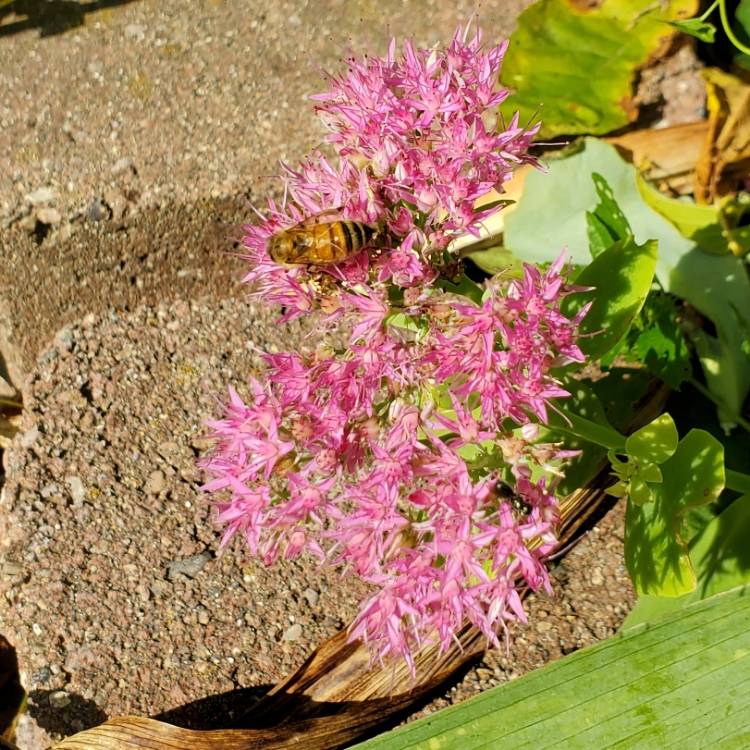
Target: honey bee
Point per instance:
(320, 243)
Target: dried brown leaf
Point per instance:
(725, 156)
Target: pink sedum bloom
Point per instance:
(390, 457)
(376, 477)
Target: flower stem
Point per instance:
(710, 10)
(592, 432)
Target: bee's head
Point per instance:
(280, 247)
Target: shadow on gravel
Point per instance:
(215, 711)
(76, 715)
(51, 17)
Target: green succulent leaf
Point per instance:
(583, 402)
(656, 547)
(621, 391)
(657, 340)
(495, 259)
(606, 224)
(640, 492)
(464, 286)
(651, 473)
(721, 559)
(656, 442)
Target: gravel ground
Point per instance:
(131, 131)
(112, 590)
(144, 101)
(182, 250)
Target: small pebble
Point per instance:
(29, 437)
(311, 596)
(41, 195)
(155, 483)
(48, 216)
(59, 699)
(77, 491)
(188, 566)
(97, 211)
(292, 633)
(597, 579)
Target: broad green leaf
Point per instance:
(656, 547)
(721, 558)
(715, 228)
(694, 221)
(573, 65)
(620, 392)
(678, 684)
(621, 278)
(702, 30)
(599, 236)
(606, 224)
(719, 288)
(656, 442)
(658, 341)
(551, 214)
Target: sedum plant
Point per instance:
(411, 456)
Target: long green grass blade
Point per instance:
(682, 683)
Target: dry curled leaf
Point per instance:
(725, 158)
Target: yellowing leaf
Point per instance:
(573, 66)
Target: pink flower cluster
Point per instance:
(410, 456)
(418, 142)
(388, 458)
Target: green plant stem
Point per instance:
(736, 480)
(728, 28)
(711, 9)
(736, 418)
(590, 431)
